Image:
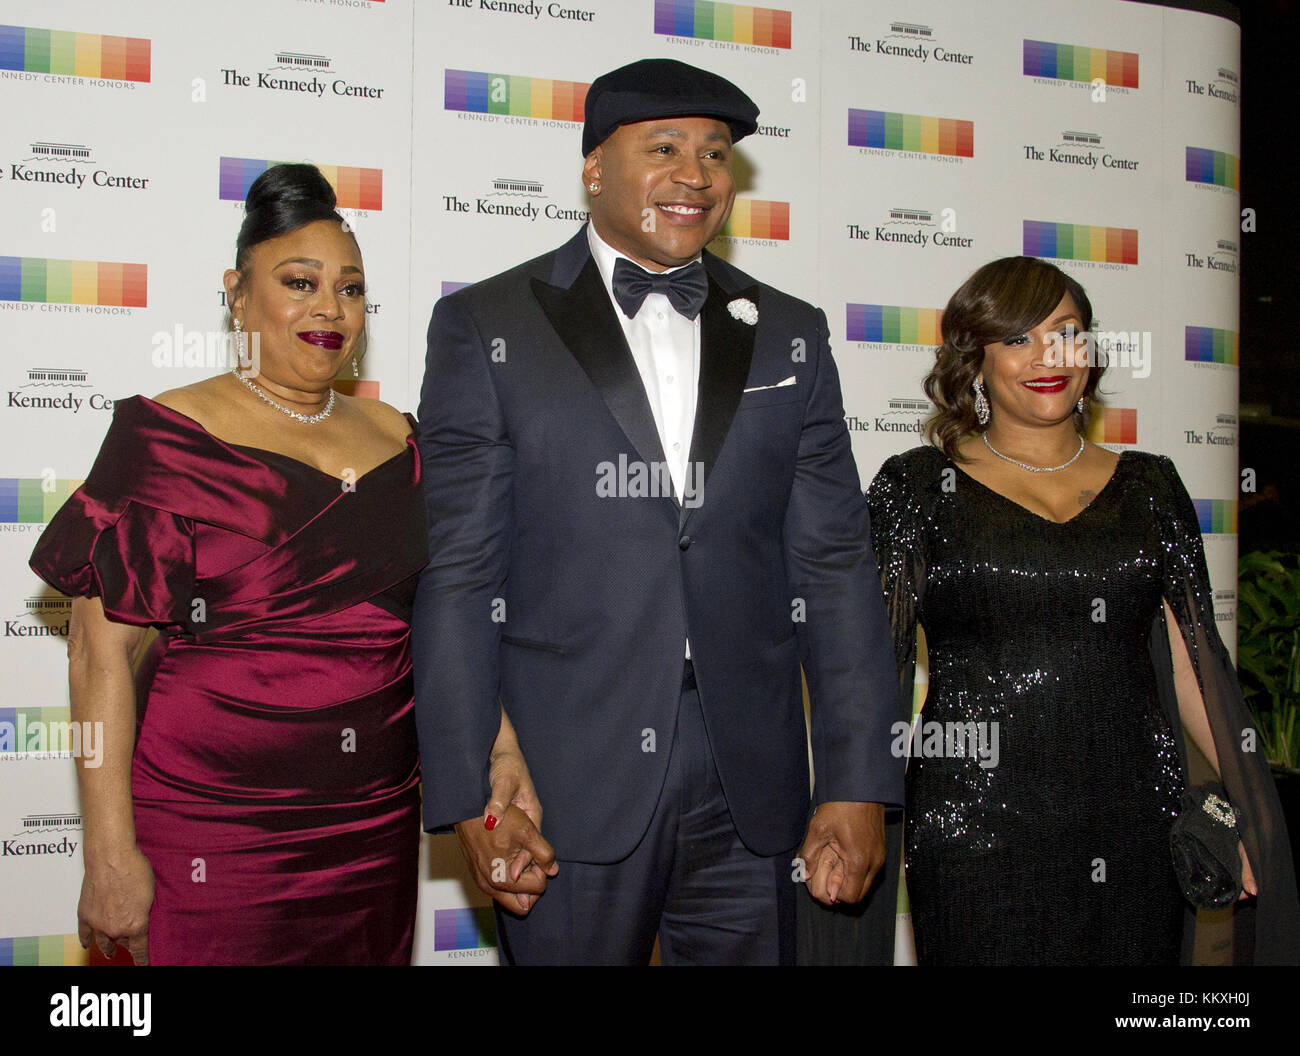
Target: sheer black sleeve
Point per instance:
(1243, 768)
(898, 539)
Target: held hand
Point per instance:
(1249, 889)
(844, 850)
(116, 895)
(511, 861)
(511, 786)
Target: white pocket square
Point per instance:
(779, 385)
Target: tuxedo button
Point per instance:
(684, 543)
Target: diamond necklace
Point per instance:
(309, 419)
(1025, 465)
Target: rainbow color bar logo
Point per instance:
(74, 54)
(73, 281)
(25, 500)
(42, 951)
(1205, 344)
(1111, 245)
(751, 218)
(1213, 166)
(1071, 62)
(361, 388)
(893, 324)
(1217, 516)
(25, 730)
(738, 23)
(464, 929)
(355, 188)
(914, 132)
(508, 93)
(1114, 425)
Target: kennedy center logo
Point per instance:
(33, 500)
(915, 228)
(470, 929)
(57, 389)
(1207, 344)
(356, 188)
(1223, 86)
(911, 41)
(43, 616)
(753, 219)
(1216, 516)
(302, 73)
(1046, 61)
(27, 53)
(904, 414)
(881, 132)
(1213, 167)
(69, 165)
(520, 199)
(894, 324)
(513, 98)
(1114, 425)
(1082, 150)
(739, 26)
(97, 283)
(33, 950)
(1081, 242)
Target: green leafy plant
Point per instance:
(1268, 650)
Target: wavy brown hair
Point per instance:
(1004, 298)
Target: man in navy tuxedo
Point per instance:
(644, 518)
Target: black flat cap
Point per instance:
(652, 88)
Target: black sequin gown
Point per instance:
(1047, 842)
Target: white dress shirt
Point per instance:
(666, 349)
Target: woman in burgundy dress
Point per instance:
(261, 804)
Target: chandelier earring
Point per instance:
(241, 342)
(981, 402)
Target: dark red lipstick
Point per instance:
(323, 339)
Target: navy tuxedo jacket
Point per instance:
(571, 607)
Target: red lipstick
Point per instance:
(323, 339)
(1055, 383)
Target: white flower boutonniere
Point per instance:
(744, 309)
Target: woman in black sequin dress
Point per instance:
(1047, 765)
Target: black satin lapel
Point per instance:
(726, 349)
(584, 318)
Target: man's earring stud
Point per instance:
(593, 186)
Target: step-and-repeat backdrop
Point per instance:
(901, 145)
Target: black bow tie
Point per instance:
(686, 288)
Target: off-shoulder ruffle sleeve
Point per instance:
(138, 559)
(1243, 768)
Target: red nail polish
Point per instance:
(490, 822)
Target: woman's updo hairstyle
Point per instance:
(283, 199)
(1004, 298)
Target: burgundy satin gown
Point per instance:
(275, 776)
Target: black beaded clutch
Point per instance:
(1203, 842)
